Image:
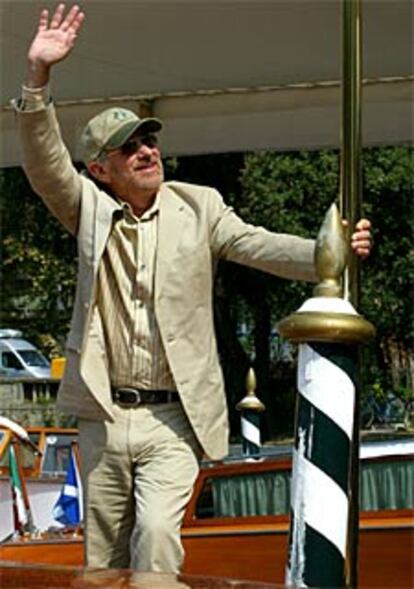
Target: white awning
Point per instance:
(224, 75)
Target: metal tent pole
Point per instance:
(350, 206)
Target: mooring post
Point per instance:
(329, 331)
(250, 407)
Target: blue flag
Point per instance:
(68, 508)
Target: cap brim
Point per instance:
(149, 125)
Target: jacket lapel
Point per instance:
(172, 219)
(105, 208)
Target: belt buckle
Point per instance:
(133, 394)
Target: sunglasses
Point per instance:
(132, 145)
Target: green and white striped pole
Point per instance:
(329, 331)
(250, 407)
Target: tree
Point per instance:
(38, 266)
(387, 292)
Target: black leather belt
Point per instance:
(129, 397)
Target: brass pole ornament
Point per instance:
(338, 322)
(330, 255)
(250, 401)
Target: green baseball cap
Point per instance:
(110, 129)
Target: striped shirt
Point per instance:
(125, 299)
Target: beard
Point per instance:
(144, 180)
(148, 180)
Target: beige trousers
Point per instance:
(138, 474)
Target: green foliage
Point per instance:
(38, 266)
(288, 192)
(387, 285)
(388, 278)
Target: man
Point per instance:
(142, 369)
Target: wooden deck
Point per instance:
(17, 576)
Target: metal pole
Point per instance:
(350, 181)
(350, 205)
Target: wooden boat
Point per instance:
(237, 521)
(236, 524)
(43, 466)
(43, 459)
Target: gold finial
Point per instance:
(330, 255)
(250, 401)
(339, 322)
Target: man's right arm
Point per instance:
(45, 158)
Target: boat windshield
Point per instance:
(33, 358)
(385, 483)
(55, 459)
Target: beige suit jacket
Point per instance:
(196, 228)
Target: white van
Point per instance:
(19, 358)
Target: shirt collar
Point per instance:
(149, 213)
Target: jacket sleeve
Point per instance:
(287, 256)
(48, 164)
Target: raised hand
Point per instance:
(52, 43)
